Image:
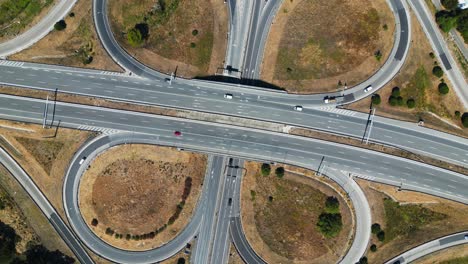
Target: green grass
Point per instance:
(405, 220)
(462, 260)
(201, 54)
(17, 14)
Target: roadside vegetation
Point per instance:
(17, 15)
(166, 34)
(453, 17)
(309, 50)
(290, 218)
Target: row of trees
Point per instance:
(453, 17)
(266, 170)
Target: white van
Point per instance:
(228, 96)
(298, 108)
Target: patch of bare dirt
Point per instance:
(135, 191)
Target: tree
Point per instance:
(134, 37)
(376, 100)
(330, 225)
(437, 71)
(94, 222)
(457, 114)
(193, 45)
(375, 228)
(181, 261)
(60, 25)
(464, 119)
(266, 169)
(446, 20)
(363, 260)
(443, 88)
(396, 91)
(38, 254)
(8, 239)
(332, 205)
(194, 32)
(373, 247)
(392, 100)
(462, 24)
(400, 101)
(279, 172)
(450, 4)
(381, 236)
(410, 103)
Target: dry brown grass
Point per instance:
(454, 221)
(59, 47)
(444, 255)
(169, 42)
(315, 44)
(234, 257)
(135, 189)
(284, 230)
(416, 81)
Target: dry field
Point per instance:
(313, 45)
(172, 42)
(135, 190)
(72, 46)
(416, 81)
(234, 257)
(16, 18)
(410, 218)
(280, 215)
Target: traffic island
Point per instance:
(139, 197)
(322, 46)
(290, 217)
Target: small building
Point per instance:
(463, 4)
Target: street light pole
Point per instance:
(44, 120)
(371, 123)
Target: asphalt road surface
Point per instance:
(39, 30)
(431, 247)
(44, 205)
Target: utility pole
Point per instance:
(44, 120)
(320, 165)
(371, 123)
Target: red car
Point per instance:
(177, 133)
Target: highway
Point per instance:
(430, 247)
(45, 206)
(38, 31)
(438, 44)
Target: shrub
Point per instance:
(376, 100)
(266, 169)
(270, 198)
(363, 260)
(193, 45)
(134, 37)
(60, 25)
(381, 236)
(373, 247)
(332, 205)
(375, 228)
(71, 14)
(443, 88)
(252, 195)
(400, 101)
(410, 103)
(181, 261)
(279, 172)
(464, 119)
(128, 236)
(94, 222)
(194, 32)
(392, 100)
(437, 71)
(378, 55)
(385, 27)
(457, 114)
(330, 225)
(109, 231)
(432, 55)
(396, 91)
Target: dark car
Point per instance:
(230, 201)
(177, 133)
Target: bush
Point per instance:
(193, 45)
(279, 172)
(134, 37)
(443, 88)
(128, 236)
(392, 100)
(332, 205)
(330, 225)
(446, 20)
(450, 4)
(457, 114)
(252, 195)
(437, 71)
(363, 260)
(432, 55)
(266, 169)
(464, 119)
(71, 14)
(396, 91)
(410, 103)
(194, 32)
(378, 55)
(400, 101)
(181, 261)
(376, 100)
(375, 228)
(94, 222)
(381, 236)
(373, 248)
(60, 25)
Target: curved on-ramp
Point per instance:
(38, 31)
(431, 247)
(386, 73)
